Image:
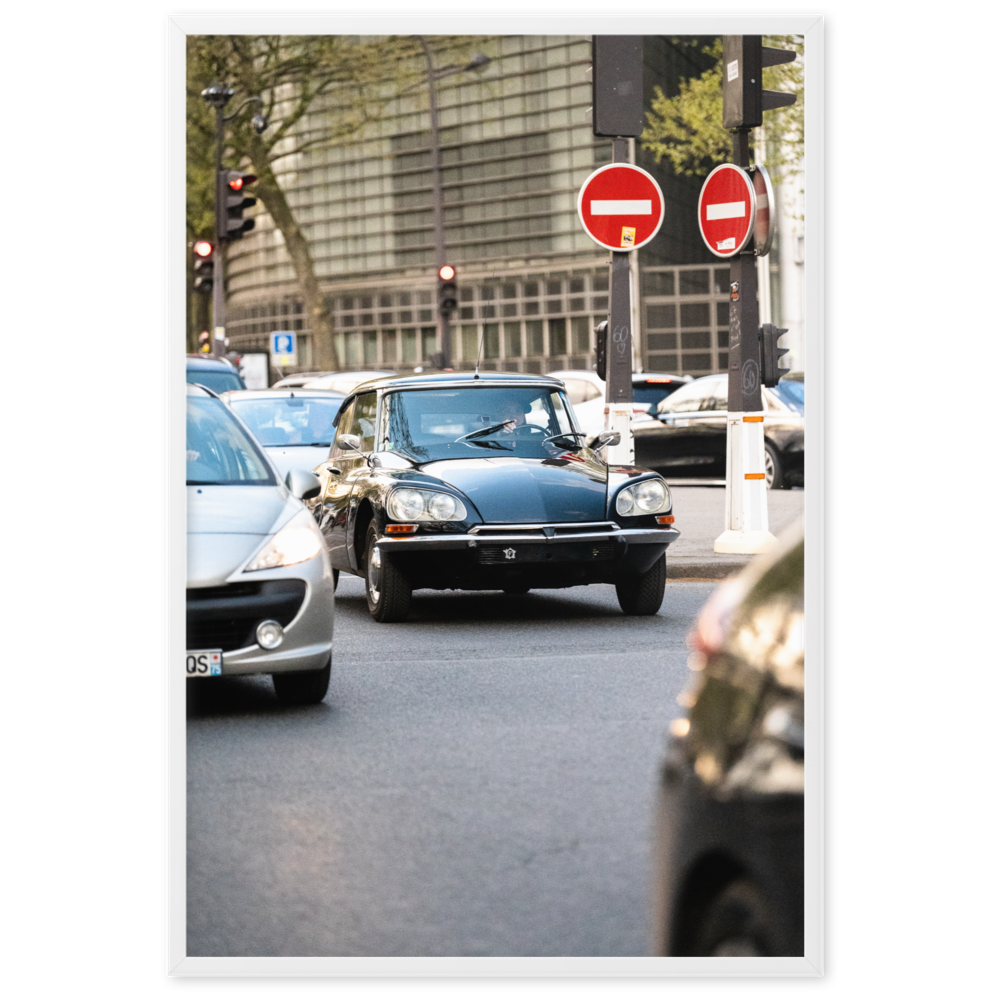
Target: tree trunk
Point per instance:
(317, 316)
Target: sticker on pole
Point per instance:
(620, 206)
(727, 210)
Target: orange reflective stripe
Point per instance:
(754, 475)
(753, 420)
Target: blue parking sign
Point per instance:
(283, 348)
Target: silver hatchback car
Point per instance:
(259, 584)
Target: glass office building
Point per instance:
(516, 144)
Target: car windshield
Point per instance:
(289, 421)
(217, 381)
(219, 450)
(654, 391)
(433, 424)
(792, 394)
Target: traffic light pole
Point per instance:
(218, 271)
(746, 491)
(618, 387)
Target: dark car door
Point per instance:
(354, 469)
(708, 452)
(672, 445)
(335, 491)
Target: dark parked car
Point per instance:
(455, 481)
(729, 824)
(216, 374)
(688, 437)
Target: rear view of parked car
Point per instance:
(216, 374)
(730, 817)
(259, 584)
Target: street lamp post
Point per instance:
(478, 62)
(218, 96)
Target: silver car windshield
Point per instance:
(219, 451)
(290, 421)
(433, 424)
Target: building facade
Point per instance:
(516, 144)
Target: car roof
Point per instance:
(197, 390)
(198, 361)
(431, 379)
(284, 393)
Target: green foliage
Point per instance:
(686, 129)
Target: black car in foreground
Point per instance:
(687, 438)
(730, 817)
(484, 482)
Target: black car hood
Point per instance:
(521, 490)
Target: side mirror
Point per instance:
(349, 442)
(606, 438)
(303, 485)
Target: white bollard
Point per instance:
(746, 492)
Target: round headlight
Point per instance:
(269, 634)
(624, 503)
(406, 505)
(441, 506)
(650, 496)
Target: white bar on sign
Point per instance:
(726, 210)
(621, 207)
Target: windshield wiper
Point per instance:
(484, 431)
(495, 445)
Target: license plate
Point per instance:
(204, 663)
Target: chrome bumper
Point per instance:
(631, 536)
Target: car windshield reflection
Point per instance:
(435, 424)
(290, 421)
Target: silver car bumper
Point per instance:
(439, 543)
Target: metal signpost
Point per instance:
(736, 222)
(621, 208)
(622, 220)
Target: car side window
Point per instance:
(576, 390)
(719, 398)
(687, 399)
(363, 423)
(343, 427)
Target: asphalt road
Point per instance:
(478, 782)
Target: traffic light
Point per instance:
(231, 200)
(204, 265)
(602, 350)
(771, 354)
(617, 85)
(447, 290)
(743, 96)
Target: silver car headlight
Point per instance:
(652, 496)
(296, 542)
(424, 505)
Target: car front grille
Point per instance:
(226, 617)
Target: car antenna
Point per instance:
(483, 336)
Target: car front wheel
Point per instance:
(774, 474)
(306, 687)
(387, 590)
(642, 594)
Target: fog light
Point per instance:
(270, 634)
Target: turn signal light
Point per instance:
(400, 529)
(665, 519)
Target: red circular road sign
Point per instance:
(620, 206)
(763, 229)
(727, 209)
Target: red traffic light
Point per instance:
(240, 181)
(446, 272)
(203, 248)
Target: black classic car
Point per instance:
(687, 438)
(484, 482)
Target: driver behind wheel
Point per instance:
(512, 416)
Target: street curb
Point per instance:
(703, 569)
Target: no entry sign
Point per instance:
(727, 209)
(620, 206)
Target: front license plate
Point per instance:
(204, 663)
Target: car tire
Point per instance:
(774, 473)
(643, 593)
(516, 589)
(387, 590)
(306, 687)
(736, 923)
